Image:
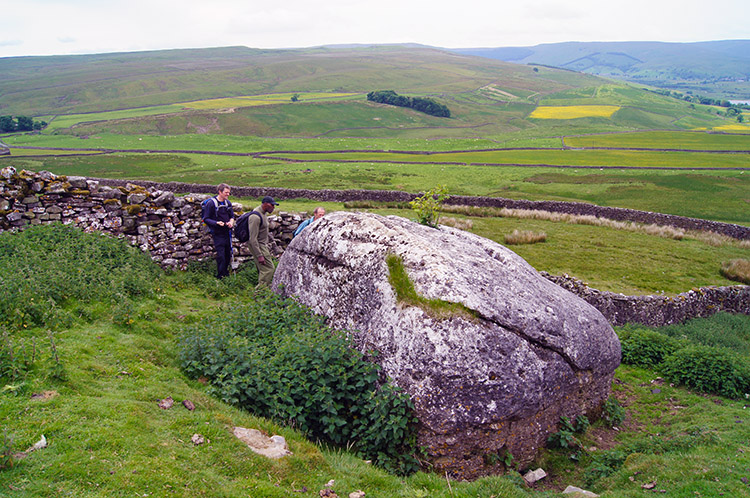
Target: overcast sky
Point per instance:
(50, 27)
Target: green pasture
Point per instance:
(95, 120)
(715, 195)
(664, 140)
(353, 117)
(608, 259)
(16, 152)
(251, 144)
(589, 158)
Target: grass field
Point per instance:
(65, 121)
(715, 195)
(664, 139)
(587, 158)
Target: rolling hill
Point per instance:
(717, 69)
(210, 91)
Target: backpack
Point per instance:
(207, 202)
(204, 206)
(241, 230)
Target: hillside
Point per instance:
(88, 83)
(247, 92)
(717, 69)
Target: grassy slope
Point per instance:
(47, 85)
(108, 437)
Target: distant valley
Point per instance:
(716, 69)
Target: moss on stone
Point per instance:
(407, 294)
(134, 209)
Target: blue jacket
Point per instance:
(302, 226)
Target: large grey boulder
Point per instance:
(484, 385)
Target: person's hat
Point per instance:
(269, 200)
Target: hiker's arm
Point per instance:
(253, 225)
(210, 218)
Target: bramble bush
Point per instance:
(276, 359)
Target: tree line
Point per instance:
(20, 123)
(732, 110)
(425, 105)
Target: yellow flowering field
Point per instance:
(256, 100)
(574, 111)
(733, 127)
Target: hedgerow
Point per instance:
(276, 359)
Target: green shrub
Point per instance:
(708, 369)
(728, 330)
(47, 267)
(277, 359)
(427, 206)
(646, 348)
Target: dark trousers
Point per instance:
(223, 246)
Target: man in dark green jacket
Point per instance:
(258, 230)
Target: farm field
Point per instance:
(573, 112)
(715, 195)
(64, 121)
(562, 158)
(665, 139)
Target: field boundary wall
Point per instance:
(168, 227)
(576, 208)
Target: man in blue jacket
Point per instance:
(318, 213)
(219, 216)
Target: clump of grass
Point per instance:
(407, 294)
(460, 223)
(524, 237)
(737, 270)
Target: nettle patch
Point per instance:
(276, 359)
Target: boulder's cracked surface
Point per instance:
(484, 385)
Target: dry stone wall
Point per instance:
(150, 216)
(167, 226)
(576, 208)
(657, 310)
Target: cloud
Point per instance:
(10, 43)
(66, 39)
